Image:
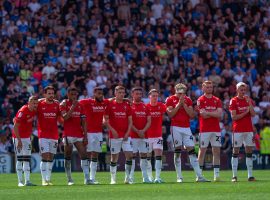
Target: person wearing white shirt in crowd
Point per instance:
(90, 85)
(49, 69)
(101, 42)
(157, 9)
(34, 6)
(101, 79)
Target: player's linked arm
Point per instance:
(172, 111)
(148, 124)
(238, 116)
(216, 114)
(129, 126)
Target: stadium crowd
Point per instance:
(147, 43)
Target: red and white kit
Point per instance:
(209, 127)
(154, 133)
(47, 114)
(118, 118)
(242, 128)
(139, 119)
(25, 118)
(73, 131)
(180, 123)
(94, 111)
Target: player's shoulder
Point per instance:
(188, 98)
(201, 98)
(160, 103)
(106, 101)
(55, 101)
(24, 108)
(216, 98)
(42, 100)
(170, 98)
(233, 100)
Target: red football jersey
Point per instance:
(139, 117)
(47, 119)
(25, 118)
(156, 112)
(181, 118)
(73, 126)
(210, 105)
(118, 117)
(244, 124)
(94, 112)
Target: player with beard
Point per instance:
(94, 110)
(48, 114)
(141, 122)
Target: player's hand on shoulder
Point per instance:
(63, 103)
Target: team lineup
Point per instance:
(134, 127)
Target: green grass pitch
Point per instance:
(243, 189)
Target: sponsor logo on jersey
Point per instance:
(155, 114)
(98, 108)
(49, 115)
(140, 113)
(120, 114)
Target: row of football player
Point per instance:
(133, 127)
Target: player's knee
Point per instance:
(94, 159)
(67, 157)
(177, 151)
(158, 157)
(235, 155)
(20, 158)
(128, 162)
(27, 158)
(191, 152)
(249, 155)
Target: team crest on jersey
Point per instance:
(198, 103)
(43, 108)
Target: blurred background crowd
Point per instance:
(147, 43)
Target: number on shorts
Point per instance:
(147, 144)
(160, 142)
(29, 147)
(55, 145)
(191, 138)
(100, 143)
(218, 138)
